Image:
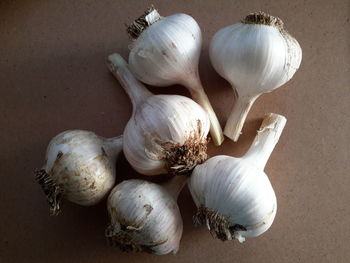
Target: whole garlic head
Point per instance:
(144, 217)
(234, 196)
(256, 56)
(80, 167)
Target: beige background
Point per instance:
(53, 78)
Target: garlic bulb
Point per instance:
(256, 56)
(79, 167)
(165, 52)
(145, 216)
(234, 196)
(166, 133)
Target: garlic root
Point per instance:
(217, 224)
(182, 159)
(51, 190)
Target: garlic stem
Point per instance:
(175, 185)
(237, 117)
(198, 94)
(266, 139)
(153, 16)
(135, 90)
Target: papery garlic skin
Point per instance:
(80, 167)
(234, 196)
(144, 217)
(166, 133)
(165, 52)
(255, 56)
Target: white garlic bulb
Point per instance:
(256, 56)
(144, 216)
(166, 133)
(79, 167)
(165, 52)
(234, 196)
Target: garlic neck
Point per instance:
(238, 116)
(198, 94)
(136, 91)
(266, 139)
(113, 147)
(175, 185)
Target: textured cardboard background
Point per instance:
(53, 78)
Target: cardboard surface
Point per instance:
(53, 78)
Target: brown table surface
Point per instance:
(53, 78)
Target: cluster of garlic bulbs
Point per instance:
(167, 134)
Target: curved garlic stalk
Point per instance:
(166, 133)
(256, 56)
(79, 167)
(234, 196)
(165, 52)
(145, 216)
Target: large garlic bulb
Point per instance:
(80, 167)
(145, 216)
(166, 133)
(165, 52)
(256, 56)
(234, 196)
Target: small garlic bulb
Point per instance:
(165, 52)
(234, 196)
(79, 167)
(145, 216)
(166, 133)
(256, 56)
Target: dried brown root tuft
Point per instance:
(261, 18)
(182, 159)
(140, 24)
(216, 223)
(51, 190)
(123, 240)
